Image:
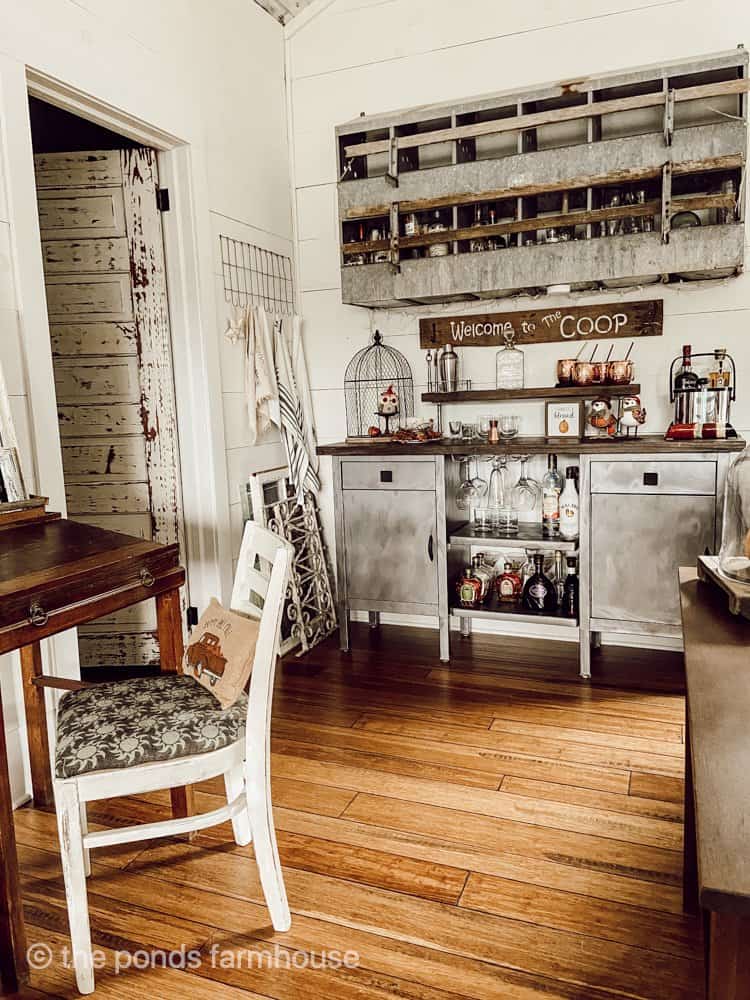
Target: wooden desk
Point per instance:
(717, 782)
(56, 574)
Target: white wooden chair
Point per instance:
(245, 763)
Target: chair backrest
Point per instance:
(259, 590)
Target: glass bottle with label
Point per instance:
(539, 594)
(569, 603)
(569, 506)
(508, 585)
(552, 487)
(437, 225)
(509, 364)
(483, 572)
(469, 589)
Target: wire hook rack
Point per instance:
(253, 275)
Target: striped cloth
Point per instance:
(297, 431)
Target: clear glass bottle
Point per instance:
(734, 555)
(539, 594)
(483, 572)
(569, 506)
(552, 487)
(509, 364)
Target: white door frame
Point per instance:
(192, 317)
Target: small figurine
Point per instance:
(388, 402)
(601, 417)
(633, 414)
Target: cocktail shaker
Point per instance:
(448, 369)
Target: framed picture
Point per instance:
(563, 419)
(12, 488)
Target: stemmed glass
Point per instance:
(497, 490)
(466, 492)
(527, 491)
(479, 484)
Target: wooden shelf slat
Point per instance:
(540, 392)
(554, 116)
(730, 161)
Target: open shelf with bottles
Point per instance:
(494, 609)
(642, 170)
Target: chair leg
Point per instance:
(74, 873)
(84, 831)
(267, 857)
(234, 782)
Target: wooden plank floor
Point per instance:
(492, 830)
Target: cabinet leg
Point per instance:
(465, 625)
(596, 640)
(343, 628)
(584, 654)
(36, 724)
(444, 625)
(374, 619)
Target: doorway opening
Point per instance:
(99, 207)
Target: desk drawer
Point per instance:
(680, 478)
(83, 585)
(388, 475)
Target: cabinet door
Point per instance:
(637, 543)
(391, 540)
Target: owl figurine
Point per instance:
(601, 417)
(633, 415)
(388, 404)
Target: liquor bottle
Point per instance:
(552, 487)
(539, 594)
(469, 589)
(508, 584)
(483, 572)
(558, 577)
(569, 603)
(569, 506)
(685, 381)
(509, 364)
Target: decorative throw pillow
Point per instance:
(221, 651)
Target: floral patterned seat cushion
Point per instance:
(124, 723)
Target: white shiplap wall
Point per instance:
(374, 55)
(212, 74)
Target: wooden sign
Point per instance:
(543, 326)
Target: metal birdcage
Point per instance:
(373, 373)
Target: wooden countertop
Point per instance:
(717, 669)
(644, 444)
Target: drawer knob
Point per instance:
(146, 577)
(386, 476)
(37, 615)
(650, 478)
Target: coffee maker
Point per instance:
(702, 401)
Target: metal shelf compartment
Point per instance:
(529, 536)
(493, 610)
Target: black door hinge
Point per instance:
(192, 616)
(162, 199)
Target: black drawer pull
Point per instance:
(430, 549)
(650, 478)
(386, 476)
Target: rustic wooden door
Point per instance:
(109, 325)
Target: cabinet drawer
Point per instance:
(385, 475)
(681, 478)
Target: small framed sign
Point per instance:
(563, 419)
